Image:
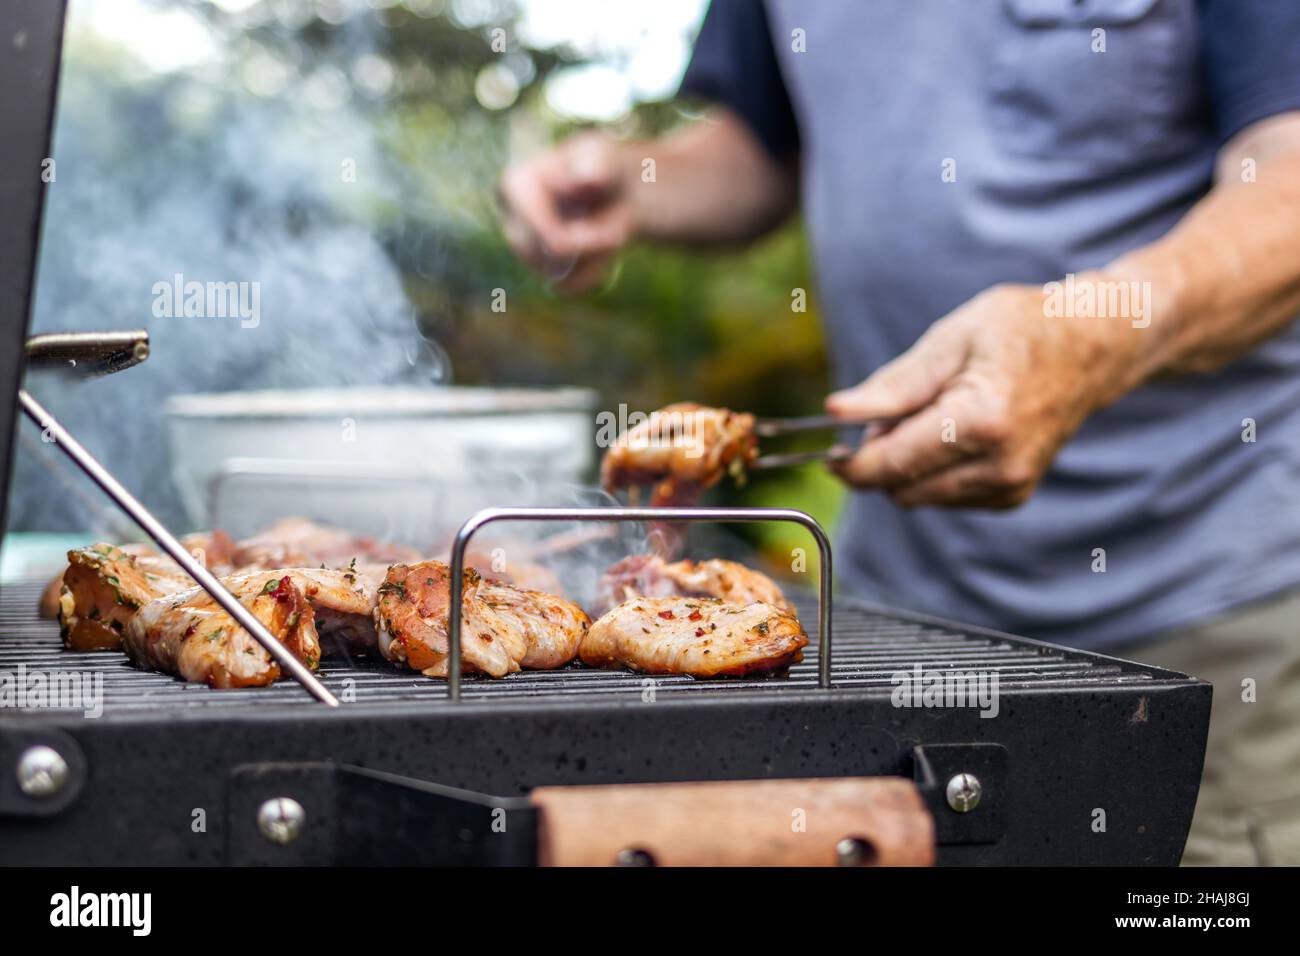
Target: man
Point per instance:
(1059, 242)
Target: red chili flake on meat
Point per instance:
(694, 616)
(666, 615)
(699, 632)
(283, 590)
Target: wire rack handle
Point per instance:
(488, 516)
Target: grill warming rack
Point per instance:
(720, 515)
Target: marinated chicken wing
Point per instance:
(411, 620)
(102, 589)
(213, 548)
(697, 636)
(682, 450)
(503, 628)
(190, 635)
(105, 585)
(651, 576)
(342, 599)
(551, 627)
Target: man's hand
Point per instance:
(991, 392)
(985, 399)
(709, 183)
(568, 211)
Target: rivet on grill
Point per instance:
(964, 792)
(42, 771)
(855, 851)
(634, 856)
(280, 819)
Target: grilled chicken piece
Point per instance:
(411, 620)
(520, 574)
(648, 575)
(102, 589)
(342, 601)
(48, 608)
(188, 634)
(551, 627)
(503, 628)
(214, 548)
(683, 449)
(702, 637)
(104, 585)
(300, 543)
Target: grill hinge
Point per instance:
(965, 788)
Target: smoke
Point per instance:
(570, 557)
(190, 174)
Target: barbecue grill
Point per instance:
(1076, 733)
(1089, 759)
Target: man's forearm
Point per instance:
(712, 182)
(1228, 276)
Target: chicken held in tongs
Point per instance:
(681, 450)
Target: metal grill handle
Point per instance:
(722, 515)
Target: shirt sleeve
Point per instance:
(1251, 55)
(734, 65)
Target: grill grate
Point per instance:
(869, 648)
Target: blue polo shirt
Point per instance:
(949, 145)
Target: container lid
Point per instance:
(396, 400)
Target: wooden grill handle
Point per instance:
(877, 821)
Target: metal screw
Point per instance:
(42, 771)
(964, 792)
(634, 856)
(280, 819)
(853, 851)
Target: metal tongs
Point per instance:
(774, 427)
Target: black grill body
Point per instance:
(1090, 760)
